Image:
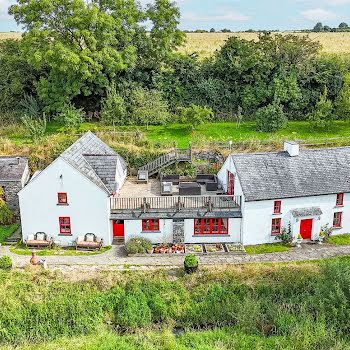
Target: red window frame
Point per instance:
(276, 226)
(65, 226)
(62, 198)
(340, 200)
(338, 219)
(230, 183)
(150, 225)
(277, 207)
(211, 226)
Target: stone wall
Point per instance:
(210, 156)
(178, 231)
(11, 188)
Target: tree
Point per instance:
(327, 29)
(196, 115)
(322, 117)
(342, 102)
(318, 27)
(148, 107)
(84, 45)
(212, 30)
(71, 116)
(343, 25)
(36, 126)
(270, 118)
(6, 214)
(113, 110)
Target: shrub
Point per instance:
(138, 245)
(113, 110)
(36, 127)
(71, 116)
(6, 214)
(5, 262)
(191, 260)
(196, 115)
(322, 117)
(270, 118)
(286, 235)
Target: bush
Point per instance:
(6, 214)
(270, 118)
(71, 116)
(196, 115)
(191, 260)
(36, 127)
(138, 245)
(113, 110)
(5, 262)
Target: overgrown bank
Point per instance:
(305, 306)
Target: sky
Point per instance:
(242, 14)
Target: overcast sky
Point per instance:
(243, 14)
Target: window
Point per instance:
(337, 220)
(340, 199)
(215, 226)
(62, 198)
(65, 228)
(277, 207)
(150, 225)
(276, 227)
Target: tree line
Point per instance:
(119, 61)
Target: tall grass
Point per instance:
(309, 303)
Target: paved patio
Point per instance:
(116, 258)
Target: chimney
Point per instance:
(292, 148)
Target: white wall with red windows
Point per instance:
(263, 220)
(63, 203)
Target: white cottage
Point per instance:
(71, 196)
(304, 188)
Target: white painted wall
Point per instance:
(133, 228)
(258, 216)
(88, 206)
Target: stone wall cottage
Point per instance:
(306, 188)
(14, 174)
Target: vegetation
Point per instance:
(299, 306)
(191, 261)
(267, 248)
(6, 214)
(6, 231)
(5, 263)
(138, 245)
(339, 239)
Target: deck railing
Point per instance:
(175, 203)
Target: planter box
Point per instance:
(235, 248)
(169, 249)
(214, 248)
(194, 249)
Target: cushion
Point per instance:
(89, 238)
(30, 238)
(80, 238)
(40, 236)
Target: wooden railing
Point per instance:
(175, 203)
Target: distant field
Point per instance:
(205, 44)
(12, 35)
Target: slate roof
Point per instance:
(313, 172)
(11, 169)
(88, 155)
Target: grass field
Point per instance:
(267, 248)
(339, 239)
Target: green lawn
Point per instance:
(183, 134)
(266, 248)
(7, 231)
(339, 239)
(22, 250)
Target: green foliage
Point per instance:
(191, 260)
(138, 245)
(323, 116)
(6, 214)
(196, 115)
(71, 116)
(343, 239)
(271, 118)
(286, 235)
(35, 126)
(113, 110)
(30, 106)
(342, 102)
(6, 231)
(267, 248)
(5, 262)
(147, 107)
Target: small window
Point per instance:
(276, 227)
(65, 228)
(337, 220)
(340, 199)
(150, 225)
(277, 207)
(62, 198)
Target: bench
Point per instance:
(190, 189)
(210, 181)
(38, 240)
(89, 242)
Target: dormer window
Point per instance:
(62, 198)
(277, 206)
(340, 200)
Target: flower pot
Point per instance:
(34, 260)
(299, 243)
(320, 240)
(150, 251)
(190, 269)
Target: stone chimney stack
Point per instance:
(292, 148)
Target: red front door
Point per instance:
(118, 228)
(230, 183)
(306, 228)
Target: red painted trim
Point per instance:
(338, 219)
(276, 226)
(201, 226)
(230, 183)
(150, 225)
(65, 226)
(63, 200)
(340, 200)
(277, 207)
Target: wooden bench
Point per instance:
(88, 242)
(39, 240)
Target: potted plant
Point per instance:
(321, 237)
(299, 240)
(191, 264)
